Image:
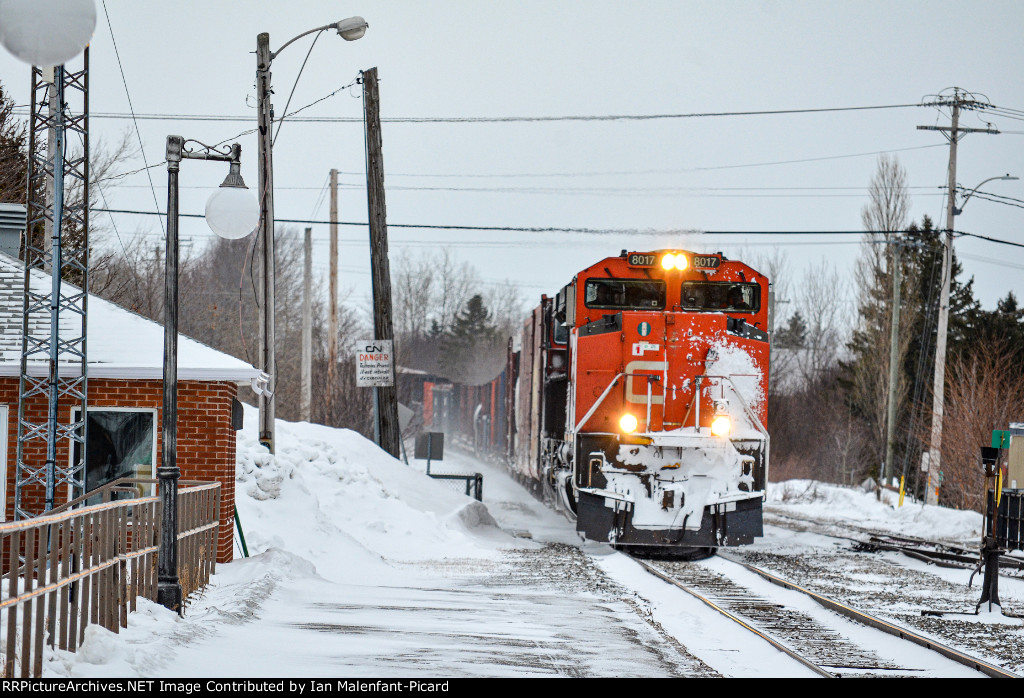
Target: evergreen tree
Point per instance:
(472, 348)
(794, 334)
(864, 376)
(925, 256)
(1002, 328)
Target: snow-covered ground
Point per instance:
(362, 566)
(862, 508)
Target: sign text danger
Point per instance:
(374, 360)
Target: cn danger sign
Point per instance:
(374, 364)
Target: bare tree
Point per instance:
(889, 207)
(821, 302)
(13, 151)
(985, 390)
(885, 214)
(813, 434)
(413, 282)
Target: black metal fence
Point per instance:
(472, 484)
(1009, 530)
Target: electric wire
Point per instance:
(581, 230)
(593, 174)
(321, 196)
(117, 234)
(280, 122)
(138, 134)
(917, 404)
(516, 119)
(566, 229)
(928, 328)
(1005, 200)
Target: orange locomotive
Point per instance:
(637, 401)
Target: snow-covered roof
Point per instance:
(120, 343)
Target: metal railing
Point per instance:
(88, 565)
(474, 483)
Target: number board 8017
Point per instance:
(706, 261)
(641, 259)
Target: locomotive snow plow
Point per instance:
(685, 462)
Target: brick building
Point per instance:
(125, 393)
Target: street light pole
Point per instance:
(349, 29)
(230, 214)
(959, 100)
(168, 585)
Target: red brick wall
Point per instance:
(206, 441)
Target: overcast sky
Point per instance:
(794, 172)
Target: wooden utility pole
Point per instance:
(332, 319)
(268, 268)
(889, 468)
(306, 399)
(959, 101)
(387, 397)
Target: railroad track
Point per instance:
(941, 554)
(813, 643)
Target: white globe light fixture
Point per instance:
(46, 32)
(232, 211)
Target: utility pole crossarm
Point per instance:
(959, 130)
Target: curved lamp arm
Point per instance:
(970, 192)
(349, 29)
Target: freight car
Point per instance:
(635, 401)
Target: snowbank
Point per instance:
(845, 505)
(333, 498)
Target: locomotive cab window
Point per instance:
(559, 333)
(625, 294)
(721, 297)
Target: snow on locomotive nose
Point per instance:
(656, 434)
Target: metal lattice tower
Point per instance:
(52, 388)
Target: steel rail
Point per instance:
(877, 540)
(770, 640)
(885, 626)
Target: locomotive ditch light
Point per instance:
(674, 260)
(628, 423)
(720, 425)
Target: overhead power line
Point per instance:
(576, 230)
(613, 173)
(494, 119)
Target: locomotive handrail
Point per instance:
(746, 408)
(754, 420)
(597, 404)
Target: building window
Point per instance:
(120, 443)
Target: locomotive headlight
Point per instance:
(720, 425)
(628, 423)
(681, 262)
(669, 261)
